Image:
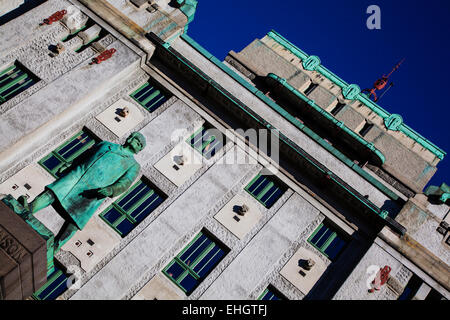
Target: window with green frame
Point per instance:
(68, 152)
(14, 80)
(266, 189)
(133, 207)
(150, 96)
(55, 286)
(206, 141)
(271, 294)
(193, 264)
(328, 241)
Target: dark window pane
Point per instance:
(267, 296)
(112, 215)
(193, 247)
(146, 207)
(150, 97)
(274, 197)
(51, 163)
(134, 196)
(175, 270)
(156, 103)
(197, 140)
(195, 252)
(55, 284)
(14, 80)
(261, 187)
(268, 193)
(252, 188)
(144, 93)
(209, 261)
(189, 283)
(319, 234)
(18, 87)
(125, 227)
(213, 148)
(335, 248)
(324, 238)
(60, 289)
(80, 142)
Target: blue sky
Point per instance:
(336, 32)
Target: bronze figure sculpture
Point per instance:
(107, 172)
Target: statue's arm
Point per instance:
(124, 181)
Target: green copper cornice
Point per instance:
(329, 117)
(353, 92)
(188, 7)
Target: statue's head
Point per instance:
(136, 141)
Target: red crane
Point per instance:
(381, 83)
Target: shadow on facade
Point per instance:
(25, 7)
(338, 272)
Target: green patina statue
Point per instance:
(107, 172)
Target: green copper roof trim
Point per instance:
(353, 92)
(188, 7)
(291, 119)
(328, 116)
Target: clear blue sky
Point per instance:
(336, 32)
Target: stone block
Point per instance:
(322, 97)
(90, 34)
(27, 249)
(9, 278)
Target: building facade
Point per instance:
(265, 176)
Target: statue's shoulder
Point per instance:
(107, 145)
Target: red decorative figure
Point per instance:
(105, 55)
(380, 84)
(58, 15)
(380, 279)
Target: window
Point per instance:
(311, 88)
(271, 294)
(365, 129)
(206, 141)
(327, 241)
(14, 80)
(68, 152)
(55, 286)
(192, 265)
(411, 288)
(337, 108)
(265, 189)
(150, 96)
(133, 207)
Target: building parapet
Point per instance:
(354, 195)
(279, 109)
(329, 117)
(353, 92)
